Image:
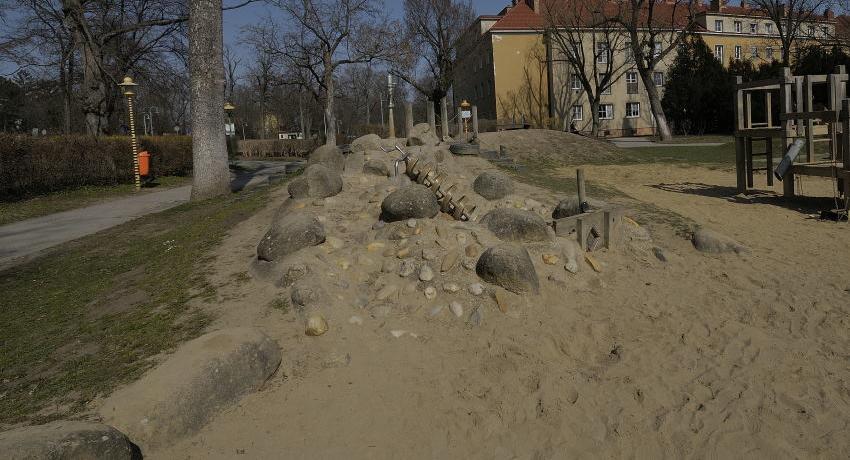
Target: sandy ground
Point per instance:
(698, 357)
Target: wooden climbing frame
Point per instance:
(797, 120)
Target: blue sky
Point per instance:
(234, 20)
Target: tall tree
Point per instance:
(792, 19)
(211, 175)
(654, 29)
(434, 28)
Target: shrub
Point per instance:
(270, 148)
(36, 165)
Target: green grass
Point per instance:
(89, 316)
(14, 211)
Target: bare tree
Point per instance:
(434, 28)
(326, 35)
(211, 175)
(581, 34)
(789, 17)
(231, 72)
(654, 28)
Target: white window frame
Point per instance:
(754, 52)
(577, 113)
(738, 26)
(718, 52)
(629, 107)
(603, 52)
(575, 82)
(656, 50)
(768, 28)
(608, 114)
(658, 79)
(608, 90)
(754, 28)
(768, 52)
(737, 52)
(718, 25)
(825, 31)
(631, 76)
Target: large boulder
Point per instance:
(410, 202)
(66, 440)
(204, 376)
(711, 242)
(510, 224)
(366, 143)
(510, 267)
(569, 207)
(493, 185)
(376, 167)
(288, 234)
(328, 155)
(422, 135)
(317, 181)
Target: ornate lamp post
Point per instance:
(390, 105)
(128, 86)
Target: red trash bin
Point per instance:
(144, 163)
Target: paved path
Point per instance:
(635, 142)
(24, 240)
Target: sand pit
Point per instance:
(696, 356)
(549, 145)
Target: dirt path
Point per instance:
(697, 357)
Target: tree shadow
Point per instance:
(801, 204)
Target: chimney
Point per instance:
(828, 14)
(717, 5)
(744, 4)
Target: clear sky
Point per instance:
(234, 20)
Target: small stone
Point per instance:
(411, 223)
(374, 247)
(469, 264)
(572, 395)
(594, 264)
(471, 250)
(476, 289)
(407, 268)
(389, 266)
(430, 293)
(426, 273)
(502, 300)
(386, 292)
(571, 266)
(378, 225)
(475, 317)
(659, 254)
(417, 231)
(550, 259)
(430, 254)
(436, 310)
(449, 261)
(302, 295)
(355, 320)
(403, 252)
(456, 308)
(398, 333)
(451, 287)
(316, 326)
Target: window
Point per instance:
(632, 109)
(811, 31)
(656, 50)
(768, 28)
(825, 31)
(575, 82)
(738, 26)
(754, 28)
(718, 52)
(630, 56)
(768, 53)
(631, 82)
(658, 78)
(607, 89)
(718, 25)
(737, 52)
(606, 111)
(602, 53)
(578, 113)
(754, 52)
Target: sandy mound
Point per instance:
(543, 144)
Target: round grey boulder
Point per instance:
(493, 185)
(422, 135)
(376, 167)
(67, 440)
(366, 143)
(510, 267)
(410, 202)
(317, 181)
(712, 242)
(328, 155)
(509, 224)
(288, 234)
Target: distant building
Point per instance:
(505, 65)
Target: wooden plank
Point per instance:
(823, 115)
(760, 132)
(749, 162)
(810, 126)
(748, 120)
(739, 105)
(770, 83)
(785, 108)
(819, 170)
(769, 155)
(768, 108)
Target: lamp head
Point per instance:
(128, 85)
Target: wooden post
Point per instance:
(845, 109)
(768, 108)
(769, 158)
(444, 118)
(475, 122)
(832, 82)
(810, 126)
(798, 105)
(582, 196)
(432, 121)
(749, 119)
(785, 108)
(459, 123)
(408, 119)
(740, 165)
(749, 162)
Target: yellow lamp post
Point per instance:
(464, 114)
(128, 86)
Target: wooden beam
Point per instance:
(756, 85)
(810, 126)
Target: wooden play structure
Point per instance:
(798, 121)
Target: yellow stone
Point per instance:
(372, 247)
(550, 259)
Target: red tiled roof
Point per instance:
(519, 17)
(522, 17)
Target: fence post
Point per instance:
(444, 117)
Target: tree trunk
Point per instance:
(211, 176)
(655, 104)
(594, 117)
(328, 81)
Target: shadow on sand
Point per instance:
(801, 204)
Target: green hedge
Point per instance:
(36, 165)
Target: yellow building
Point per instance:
(507, 68)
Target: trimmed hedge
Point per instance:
(275, 148)
(36, 165)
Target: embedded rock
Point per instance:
(376, 167)
(288, 234)
(422, 135)
(569, 207)
(317, 181)
(711, 242)
(410, 202)
(366, 143)
(205, 376)
(493, 185)
(66, 439)
(510, 267)
(510, 224)
(328, 155)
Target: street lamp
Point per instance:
(390, 105)
(127, 85)
(230, 129)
